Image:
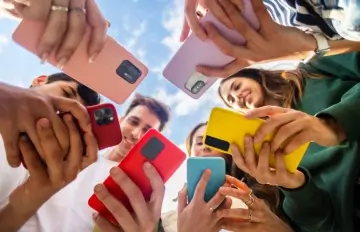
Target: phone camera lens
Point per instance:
(108, 112)
(98, 113)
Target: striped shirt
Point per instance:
(301, 14)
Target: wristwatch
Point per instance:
(322, 43)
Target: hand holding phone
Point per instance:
(154, 148)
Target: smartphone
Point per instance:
(195, 168)
(116, 73)
(227, 126)
(153, 147)
(181, 69)
(105, 126)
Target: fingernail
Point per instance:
(95, 215)
(247, 139)
(92, 58)
(98, 188)
(43, 58)
(147, 165)
(61, 63)
(115, 171)
(44, 123)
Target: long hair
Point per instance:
(270, 194)
(284, 86)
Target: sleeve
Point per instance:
(309, 207)
(346, 113)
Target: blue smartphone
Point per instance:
(195, 168)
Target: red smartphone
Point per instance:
(153, 147)
(105, 125)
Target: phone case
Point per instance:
(195, 168)
(181, 70)
(116, 73)
(227, 126)
(106, 128)
(153, 147)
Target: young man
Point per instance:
(68, 210)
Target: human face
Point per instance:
(242, 93)
(66, 89)
(199, 149)
(133, 126)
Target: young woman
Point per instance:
(327, 87)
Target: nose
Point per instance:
(206, 150)
(136, 133)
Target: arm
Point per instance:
(309, 207)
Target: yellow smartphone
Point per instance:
(226, 126)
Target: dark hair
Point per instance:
(89, 96)
(161, 110)
(281, 85)
(270, 194)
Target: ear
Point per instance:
(40, 80)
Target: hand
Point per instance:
(258, 216)
(21, 108)
(199, 215)
(52, 172)
(191, 20)
(258, 167)
(64, 28)
(146, 214)
(295, 128)
(272, 41)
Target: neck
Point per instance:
(114, 155)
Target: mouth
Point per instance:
(128, 141)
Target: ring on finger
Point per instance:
(250, 215)
(78, 9)
(59, 8)
(251, 199)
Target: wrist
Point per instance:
(332, 125)
(297, 180)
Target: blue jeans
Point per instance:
(342, 15)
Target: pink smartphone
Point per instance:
(181, 70)
(115, 73)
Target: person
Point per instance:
(68, 210)
(66, 22)
(319, 35)
(327, 87)
(23, 192)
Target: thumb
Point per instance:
(38, 10)
(182, 199)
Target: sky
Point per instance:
(151, 31)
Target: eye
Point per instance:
(237, 87)
(66, 94)
(133, 122)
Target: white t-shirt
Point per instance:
(66, 211)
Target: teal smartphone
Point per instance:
(195, 168)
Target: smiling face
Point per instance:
(133, 126)
(242, 93)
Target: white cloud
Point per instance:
(132, 43)
(3, 42)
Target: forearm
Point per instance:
(12, 219)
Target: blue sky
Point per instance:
(150, 30)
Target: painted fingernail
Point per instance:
(43, 58)
(61, 63)
(98, 188)
(93, 57)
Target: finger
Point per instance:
(231, 224)
(32, 160)
(117, 209)
(201, 186)
(158, 188)
(13, 154)
(74, 33)
(132, 191)
(91, 148)
(265, 175)
(77, 110)
(191, 17)
(53, 155)
(99, 28)
(285, 134)
(216, 201)
(218, 11)
(239, 5)
(265, 111)
(261, 13)
(297, 141)
(233, 213)
(182, 200)
(185, 30)
(226, 71)
(55, 29)
(237, 183)
(281, 172)
(238, 158)
(242, 195)
(103, 224)
(272, 124)
(74, 158)
(226, 204)
(249, 154)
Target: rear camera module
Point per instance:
(128, 71)
(197, 87)
(104, 116)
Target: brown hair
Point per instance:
(161, 110)
(284, 86)
(270, 194)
